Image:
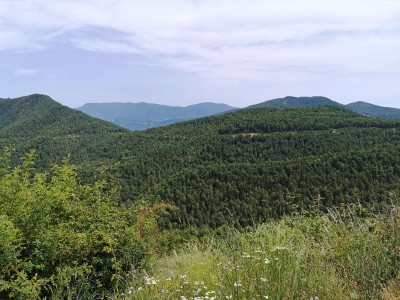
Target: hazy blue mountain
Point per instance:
(294, 102)
(139, 116)
(374, 110)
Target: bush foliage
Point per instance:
(61, 238)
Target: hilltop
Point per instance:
(360, 107)
(39, 114)
(293, 102)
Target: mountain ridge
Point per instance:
(294, 102)
(360, 107)
(143, 115)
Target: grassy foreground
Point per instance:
(347, 253)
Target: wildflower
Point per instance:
(237, 284)
(150, 280)
(197, 292)
(277, 248)
(266, 261)
(140, 288)
(263, 279)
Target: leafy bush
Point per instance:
(60, 238)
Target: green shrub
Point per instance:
(62, 239)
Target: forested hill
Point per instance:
(374, 110)
(239, 167)
(139, 116)
(296, 102)
(360, 107)
(39, 122)
(39, 114)
(262, 162)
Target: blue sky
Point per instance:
(180, 52)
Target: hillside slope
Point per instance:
(257, 163)
(39, 114)
(39, 122)
(374, 110)
(140, 116)
(239, 168)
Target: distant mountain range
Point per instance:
(360, 107)
(140, 116)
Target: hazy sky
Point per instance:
(180, 52)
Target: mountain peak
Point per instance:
(292, 102)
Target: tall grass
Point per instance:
(347, 253)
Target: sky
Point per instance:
(181, 52)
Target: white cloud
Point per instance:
(26, 72)
(225, 39)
